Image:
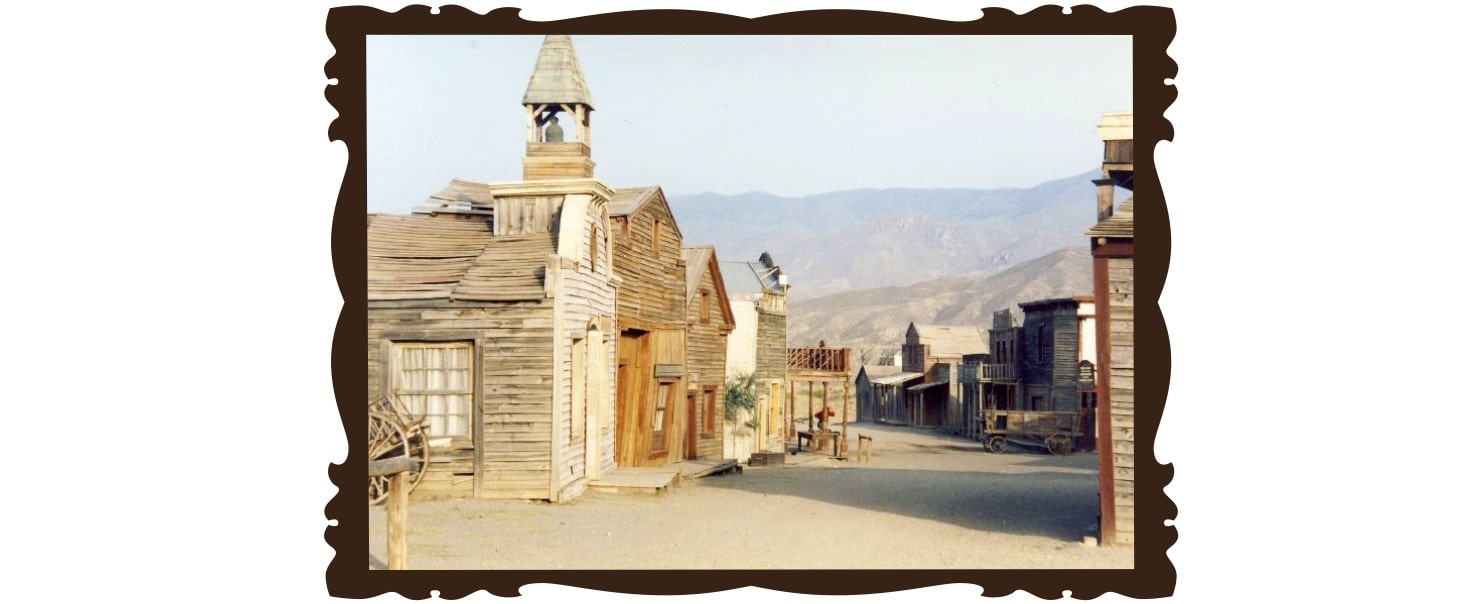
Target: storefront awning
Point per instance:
(926, 385)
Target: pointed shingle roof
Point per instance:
(557, 77)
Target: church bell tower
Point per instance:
(557, 149)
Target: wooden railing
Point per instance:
(987, 372)
(820, 359)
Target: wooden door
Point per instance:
(631, 387)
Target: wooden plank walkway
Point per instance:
(657, 480)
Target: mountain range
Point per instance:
(847, 240)
(862, 264)
(876, 319)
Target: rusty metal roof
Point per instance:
(557, 77)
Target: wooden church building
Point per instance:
(491, 312)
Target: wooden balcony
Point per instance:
(823, 360)
(987, 372)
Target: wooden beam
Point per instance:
(391, 466)
(1105, 488)
(398, 513)
(789, 429)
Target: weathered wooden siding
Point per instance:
(654, 288)
(513, 399)
(585, 299)
(652, 298)
(770, 366)
(707, 357)
(1049, 345)
(1065, 346)
(1120, 297)
(865, 399)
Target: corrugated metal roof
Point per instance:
(896, 379)
(952, 340)
(1118, 225)
(421, 257)
(752, 277)
(557, 77)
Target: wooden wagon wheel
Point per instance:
(1059, 444)
(995, 444)
(419, 445)
(386, 440)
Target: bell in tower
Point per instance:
(557, 86)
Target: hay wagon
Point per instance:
(1055, 431)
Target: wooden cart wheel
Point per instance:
(386, 440)
(995, 444)
(1059, 444)
(419, 444)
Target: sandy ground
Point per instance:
(925, 501)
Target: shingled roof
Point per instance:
(428, 258)
(557, 77)
(1118, 225)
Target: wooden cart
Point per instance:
(1054, 431)
(394, 432)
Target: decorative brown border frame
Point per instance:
(1152, 28)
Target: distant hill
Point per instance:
(876, 319)
(859, 239)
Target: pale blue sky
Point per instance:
(790, 115)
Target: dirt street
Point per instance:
(924, 501)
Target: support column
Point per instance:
(810, 401)
(789, 427)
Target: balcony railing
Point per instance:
(820, 359)
(988, 372)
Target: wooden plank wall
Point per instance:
(584, 296)
(771, 365)
(652, 297)
(1120, 297)
(865, 400)
(1065, 352)
(707, 359)
(654, 290)
(635, 437)
(514, 343)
